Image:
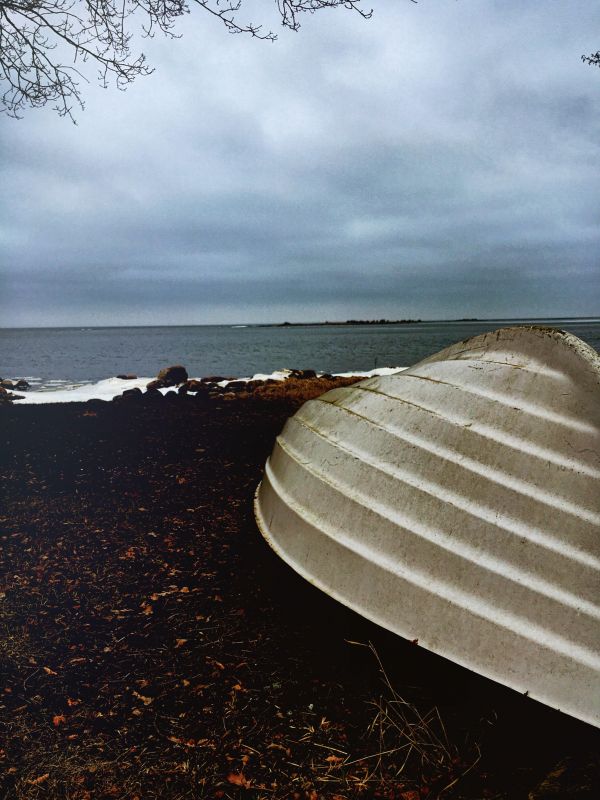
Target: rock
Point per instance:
(21, 384)
(96, 402)
(303, 373)
(235, 386)
(171, 376)
(128, 396)
(213, 379)
(195, 386)
(152, 396)
(6, 384)
(14, 396)
(126, 377)
(132, 394)
(156, 384)
(171, 397)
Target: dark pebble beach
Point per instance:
(153, 646)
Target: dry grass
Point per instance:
(299, 390)
(407, 752)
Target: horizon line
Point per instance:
(287, 323)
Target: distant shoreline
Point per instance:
(349, 322)
(531, 320)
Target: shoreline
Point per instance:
(110, 388)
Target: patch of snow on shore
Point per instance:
(66, 392)
(102, 390)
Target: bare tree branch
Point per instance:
(593, 59)
(44, 43)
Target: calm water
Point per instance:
(77, 355)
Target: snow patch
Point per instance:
(64, 391)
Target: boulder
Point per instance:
(195, 386)
(156, 384)
(128, 396)
(152, 396)
(96, 402)
(132, 394)
(213, 379)
(7, 384)
(126, 377)
(303, 373)
(21, 384)
(171, 376)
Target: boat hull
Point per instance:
(458, 503)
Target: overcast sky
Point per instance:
(438, 161)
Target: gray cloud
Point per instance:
(434, 162)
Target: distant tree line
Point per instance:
(349, 322)
(380, 321)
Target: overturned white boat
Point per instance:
(458, 503)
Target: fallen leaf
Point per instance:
(49, 671)
(145, 700)
(71, 702)
(39, 779)
(275, 746)
(180, 642)
(58, 719)
(334, 759)
(238, 779)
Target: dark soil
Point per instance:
(153, 646)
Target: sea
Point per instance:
(61, 360)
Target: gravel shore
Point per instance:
(153, 646)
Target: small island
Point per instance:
(342, 322)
